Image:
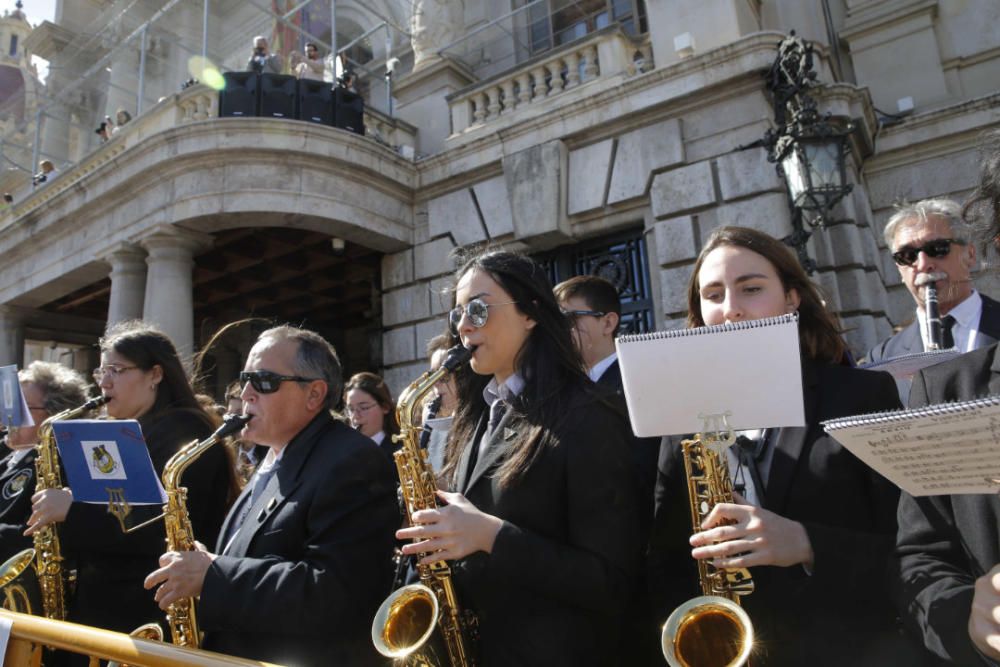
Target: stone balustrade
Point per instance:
(603, 54)
(393, 132)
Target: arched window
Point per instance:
(13, 45)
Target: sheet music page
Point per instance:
(938, 450)
(749, 369)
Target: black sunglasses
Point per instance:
(907, 255)
(580, 313)
(266, 382)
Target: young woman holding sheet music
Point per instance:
(948, 546)
(819, 531)
(541, 525)
(143, 377)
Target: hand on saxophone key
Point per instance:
(984, 618)
(453, 531)
(48, 506)
(181, 575)
(740, 535)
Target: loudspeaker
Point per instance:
(278, 95)
(241, 94)
(349, 111)
(315, 101)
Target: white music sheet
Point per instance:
(751, 370)
(943, 449)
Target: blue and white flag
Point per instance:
(108, 460)
(14, 410)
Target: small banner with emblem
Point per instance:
(14, 410)
(108, 459)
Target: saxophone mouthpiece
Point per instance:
(96, 402)
(457, 356)
(231, 423)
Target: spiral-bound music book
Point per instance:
(751, 370)
(950, 448)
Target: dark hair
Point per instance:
(441, 342)
(599, 293)
(146, 346)
(375, 386)
(8, 197)
(312, 44)
(234, 390)
(315, 358)
(548, 362)
(982, 210)
(818, 330)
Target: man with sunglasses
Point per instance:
(926, 238)
(592, 305)
(303, 558)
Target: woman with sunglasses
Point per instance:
(142, 376)
(813, 523)
(541, 523)
(371, 409)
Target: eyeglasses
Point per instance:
(907, 255)
(266, 382)
(580, 313)
(111, 371)
(477, 310)
(358, 409)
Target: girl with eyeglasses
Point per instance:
(540, 523)
(143, 378)
(814, 524)
(371, 410)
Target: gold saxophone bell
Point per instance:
(19, 583)
(404, 626)
(151, 631)
(707, 631)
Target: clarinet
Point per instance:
(932, 313)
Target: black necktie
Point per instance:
(947, 339)
(749, 452)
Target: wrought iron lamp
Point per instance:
(808, 148)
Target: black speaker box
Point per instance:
(241, 94)
(315, 101)
(349, 111)
(278, 95)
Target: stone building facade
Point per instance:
(607, 141)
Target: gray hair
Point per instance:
(315, 358)
(259, 38)
(62, 387)
(916, 214)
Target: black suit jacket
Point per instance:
(841, 614)
(302, 579)
(553, 589)
(946, 542)
(17, 485)
(908, 341)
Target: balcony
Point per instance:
(604, 57)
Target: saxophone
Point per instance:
(180, 535)
(711, 630)
(404, 626)
(48, 554)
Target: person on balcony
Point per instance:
(262, 60)
(312, 66)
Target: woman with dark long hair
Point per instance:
(813, 523)
(541, 521)
(372, 411)
(142, 376)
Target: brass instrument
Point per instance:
(47, 554)
(180, 535)
(404, 626)
(711, 630)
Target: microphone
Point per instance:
(932, 313)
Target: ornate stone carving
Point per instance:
(434, 25)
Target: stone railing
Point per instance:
(392, 132)
(605, 53)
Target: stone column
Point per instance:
(169, 302)
(11, 336)
(128, 283)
